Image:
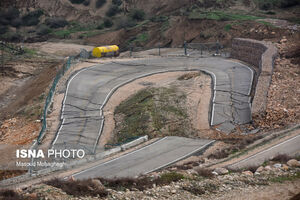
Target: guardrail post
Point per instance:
(131, 51)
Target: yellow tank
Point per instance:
(112, 50)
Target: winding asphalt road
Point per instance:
(157, 155)
(89, 90)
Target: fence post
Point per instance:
(201, 48)
(159, 50)
(185, 50)
(217, 51)
(131, 51)
(2, 60)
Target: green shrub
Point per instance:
(4, 21)
(12, 37)
(100, 3)
(108, 23)
(289, 3)
(3, 29)
(112, 11)
(56, 22)
(8, 15)
(126, 23)
(265, 5)
(32, 18)
(160, 18)
(138, 15)
(43, 29)
(117, 2)
(86, 2)
(100, 27)
(76, 1)
(271, 13)
(228, 27)
(169, 177)
(16, 22)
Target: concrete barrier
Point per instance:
(261, 56)
(134, 143)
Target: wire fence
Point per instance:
(187, 49)
(50, 95)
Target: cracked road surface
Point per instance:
(89, 90)
(289, 147)
(147, 159)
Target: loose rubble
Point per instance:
(193, 185)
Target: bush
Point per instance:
(282, 158)
(117, 2)
(160, 18)
(79, 188)
(43, 30)
(12, 37)
(4, 21)
(6, 16)
(3, 29)
(76, 1)
(10, 195)
(86, 2)
(289, 3)
(100, 3)
(138, 15)
(16, 22)
(100, 27)
(112, 11)
(56, 22)
(126, 23)
(204, 172)
(108, 23)
(266, 6)
(10, 13)
(168, 178)
(32, 18)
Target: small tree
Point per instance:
(108, 23)
(100, 3)
(138, 15)
(112, 11)
(117, 2)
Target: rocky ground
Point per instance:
(283, 106)
(277, 179)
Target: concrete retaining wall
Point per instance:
(261, 55)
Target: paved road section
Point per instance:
(289, 147)
(89, 89)
(150, 158)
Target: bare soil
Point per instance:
(59, 48)
(197, 89)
